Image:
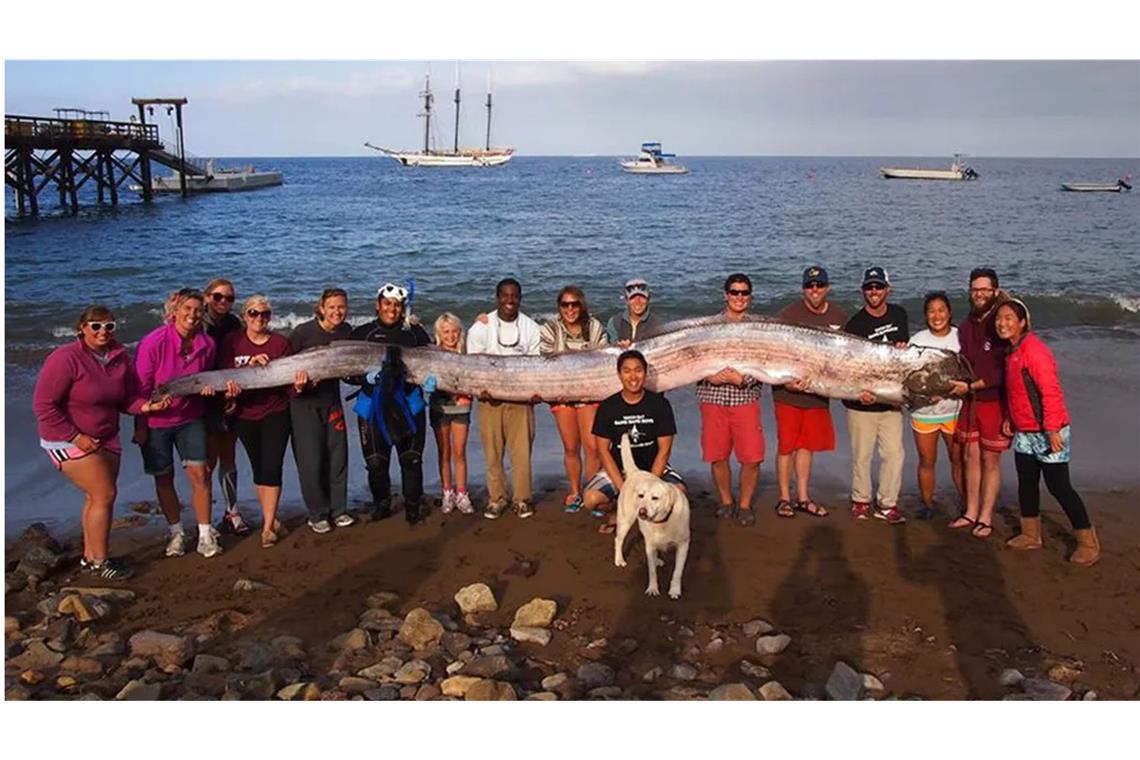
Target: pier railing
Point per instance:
(39, 132)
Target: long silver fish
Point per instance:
(833, 364)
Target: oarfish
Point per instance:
(833, 364)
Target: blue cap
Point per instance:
(876, 276)
(815, 274)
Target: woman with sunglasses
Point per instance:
(320, 446)
(263, 424)
(574, 330)
(221, 437)
(178, 348)
(80, 392)
(393, 326)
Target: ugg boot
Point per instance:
(1088, 547)
(1029, 537)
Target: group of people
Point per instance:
(1016, 399)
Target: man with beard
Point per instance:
(872, 424)
(983, 410)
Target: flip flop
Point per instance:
(725, 510)
(970, 523)
(978, 529)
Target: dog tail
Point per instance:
(627, 463)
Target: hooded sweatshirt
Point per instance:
(159, 359)
(77, 393)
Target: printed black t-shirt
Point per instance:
(645, 421)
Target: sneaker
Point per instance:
(893, 516)
(344, 520)
(235, 523)
(448, 502)
(524, 509)
(381, 511)
(494, 509)
(463, 503)
(860, 510)
(108, 569)
(176, 545)
(320, 526)
(208, 543)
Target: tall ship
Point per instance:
(485, 156)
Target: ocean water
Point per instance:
(358, 222)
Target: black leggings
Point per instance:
(1029, 471)
(265, 441)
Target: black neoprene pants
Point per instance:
(1029, 471)
(377, 455)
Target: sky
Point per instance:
(585, 107)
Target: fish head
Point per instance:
(934, 377)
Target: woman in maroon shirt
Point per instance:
(263, 425)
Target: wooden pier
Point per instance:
(67, 153)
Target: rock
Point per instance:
(130, 521)
(487, 690)
(386, 693)
(382, 599)
(299, 691)
(652, 674)
(115, 595)
(1044, 689)
(757, 627)
(732, 692)
(448, 622)
(454, 643)
(537, 613)
(531, 635)
(36, 655)
(246, 584)
(142, 508)
(685, 632)
(32, 677)
(756, 671)
(844, 683)
(382, 670)
(626, 647)
(773, 644)
(420, 630)
(595, 674)
(1011, 677)
(774, 691)
(208, 663)
(60, 632)
(554, 681)
(16, 693)
(351, 641)
(714, 646)
(1064, 673)
(85, 666)
(1089, 696)
(494, 666)
(426, 692)
(476, 598)
(413, 672)
(605, 692)
(493, 650)
(257, 687)
(457, 686)
(223, 621)
(380, 619)
(288, 647)
(356, 685)
(14, 582)
(109, 648)
(163, 648)
(63, 683)
(542, 696)
(454, 667)
(683, 672)
(137, 690)
(871, 683)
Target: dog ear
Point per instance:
(669, 495)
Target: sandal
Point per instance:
(574, 505)
(784, 508)
(969, 522)
(982, 530)
(607, 528)
(268, 539)
(746, 518)
(811, 508)
(725, 510)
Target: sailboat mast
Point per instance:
(456, 107)
(488, 147)
(427, 111)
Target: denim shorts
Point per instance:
(190, 440)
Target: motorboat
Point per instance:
(652, 161)
(958, 170)
(1096, 187)
(217, 180)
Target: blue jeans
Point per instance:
(190, 440)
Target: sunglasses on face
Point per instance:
(254, 313)
(100, 326)
(570, 304)
(874, 286)
(218, 297)
(815, 286)
(739, 293)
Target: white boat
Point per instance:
(652, 161)
(958, 171)
(1096, 187)
(216, 180)
(485, 156)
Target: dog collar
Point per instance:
(662, 520)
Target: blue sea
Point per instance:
(358, 222)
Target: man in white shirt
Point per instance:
(504, 426)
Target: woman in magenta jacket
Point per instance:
(1039, 424)
(80, 392)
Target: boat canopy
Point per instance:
(654, 149)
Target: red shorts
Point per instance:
(810, 429)
(980, 422)
(725, 428)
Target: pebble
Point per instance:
(163, 648)
(605, 692)
(382, 670)
(594, 674)
(487, 690)
(1044, 689)
(382, 599)
(355, 639)
(36, 655)
(685, 632)
(137, 690)
(492, 666)
(1011, 677)
(457, 686)
(420, 630)
(83, 608)
(542, 696)
(652, 674)
(408, 692)
(246, 584)
(32, 677)
(386, 693)
(380, 619)
(756, 671)
(626, 647)
(537, 613)
(758, 627)
(355, 684)
(116, 595)
(683, 672)
(871, 683)
(261, 686)
(1064, 672)
(427, 691)
(11, 624)
(85, 666)
(554, 681)
(493, 650)
(1089, 696)
(773, 644)
(476, 598)
(413, 672)
(208, 663)
(732, 692)
(714, 646)
(531, 635)
(455, 667)
(774, 691)
(63, 683)
(845, 683)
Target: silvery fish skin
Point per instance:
(834, 364)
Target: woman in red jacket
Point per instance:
(79, 394)
(1039, 424)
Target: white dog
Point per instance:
(661, 511)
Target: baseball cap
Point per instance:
(876, 276)
(815, 274)
(636, 287)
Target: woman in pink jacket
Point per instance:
(1039, 424)
(80, 392)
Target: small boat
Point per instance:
(958, 171)
(217, 180)
(652, 161)
(1096, 187)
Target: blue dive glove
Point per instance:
(429, 384)
(372, 376)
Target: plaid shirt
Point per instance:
(729, 395)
